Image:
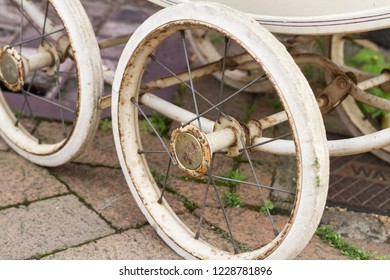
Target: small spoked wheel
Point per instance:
(218, 172)
(50, 77)
(365, 58)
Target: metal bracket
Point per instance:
(330, 97)
(340, 85)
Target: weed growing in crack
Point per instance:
(329, 235)
(105, 125)
(231, 198)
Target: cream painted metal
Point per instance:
(87, 60)
(295, 94)
(364, 143)
(310, 17)
(343, 147)
(349, 110)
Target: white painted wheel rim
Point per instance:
(298, 96)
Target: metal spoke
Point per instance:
(21, 27)
(154, 129)
(190, 76)
(37, 37)
(25, 101)
(253, 184)
(184, 82)
(197, 233)
(226, 99)
(276, 232)
(25, 94)
(21, 10)
(223, 73)
(44, 22)
(49, 101)
(165, 181)
(60, 100)
(34, 129)
(223, 210)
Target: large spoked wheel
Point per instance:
(199, 166)
(360, 56)
(51, 79)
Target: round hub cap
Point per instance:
(11, 69)
(188, 151)
(191, 150)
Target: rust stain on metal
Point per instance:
(240, 132)
(190, 148)
(12, 70)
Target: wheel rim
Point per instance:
(49, 96)
(141, 169)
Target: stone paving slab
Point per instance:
(106, 190)
(319, 250)
(46, 226)
(376, 249)
(144, 244)
(101, 151)
(22, 181)
(134, 244)
(356, 225)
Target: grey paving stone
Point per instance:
(134, 244)
(351, 224)
(47, 226)
(145, 244)
(105, 189)
(101, 151)
(318, 250)
(374, 249)
(22, 181)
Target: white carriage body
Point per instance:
(310, 17)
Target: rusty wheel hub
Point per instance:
(11, 69)
(191, 150)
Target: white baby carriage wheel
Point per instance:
(199, 169)
(50, 71)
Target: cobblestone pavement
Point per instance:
(84, 209)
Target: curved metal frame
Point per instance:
(308, 17)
